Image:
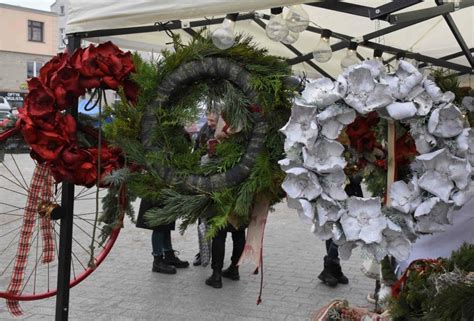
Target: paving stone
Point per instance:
(123, 288)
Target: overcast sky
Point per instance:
(35, 4)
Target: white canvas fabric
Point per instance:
(431, 37)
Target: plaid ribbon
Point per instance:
(41, 187)
(46, 223)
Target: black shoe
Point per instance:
(172, 259)
(327, 277)
(336, 271)
(160, 266)
(215, 279)
(197, 260)
(232, 272)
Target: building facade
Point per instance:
(29, 38)
(61, 7)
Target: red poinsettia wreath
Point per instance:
(51, 133)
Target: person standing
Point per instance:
(218, 252)
(164, 257)
(332, 273)
(205, 134)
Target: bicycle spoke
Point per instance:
(18, 169)
(15, 220)
(10, 244)
(19, 183)
(80, 228)
(13, 191)
(16, 229)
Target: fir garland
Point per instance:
(166, 151)
(438, 289)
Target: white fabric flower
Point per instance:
(424, 141)
(304, 209)
(405, 197)
(465, 144)
(399, 111)
(424, 103)
(395, 242)
(364, 220)
(301, 183)
(321, 92)
(334, 118)
(375, 67)
(403, 81)
(364, 94)
(302, 127)
(324, 232)
(468, 103)
(333, 184)
(442, 170)
(324, 157)
(446, 122)
(432, 216)
(345, 250)
(288, 163)
(436, 94)
(463, 196)
(327, 209)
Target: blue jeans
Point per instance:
(161, 242)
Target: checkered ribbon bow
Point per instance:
(41, 189)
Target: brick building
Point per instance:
(29, 38)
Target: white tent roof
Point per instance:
(431, 37)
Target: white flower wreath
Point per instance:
(441, 175)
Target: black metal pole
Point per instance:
(65, 232)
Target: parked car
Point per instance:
(4, 104)
(6, 118)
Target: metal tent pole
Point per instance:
(65, 232)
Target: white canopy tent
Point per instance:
(430, 38)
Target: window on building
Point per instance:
(35, 31)
(33, 69)
(61, 10)
(62, 36)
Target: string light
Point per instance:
(323, 52)
(223, 37)
(277, 29)
(351, 56)
(291, 38)
(297, 19)
(378, 54)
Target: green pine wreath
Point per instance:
(252, 88)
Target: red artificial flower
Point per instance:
(131, 90)
(52, 66)
(365, 143)
(358, 128)
(372, 118)
(40, 100)
(47, 145)
(66, 86)
(405, 149)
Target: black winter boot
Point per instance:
(160, 266)
(327, 275)
(215, 280)
(172, 259)
(232, 272)
(336, 270)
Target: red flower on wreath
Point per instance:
(51, 133)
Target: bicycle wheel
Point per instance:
(39, 237)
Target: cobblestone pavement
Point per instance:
(124, 288)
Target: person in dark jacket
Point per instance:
(332, 272)
(205, 134)
(164, 257)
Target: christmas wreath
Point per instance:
(247, 89)
(52, 133)
(338, 128)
